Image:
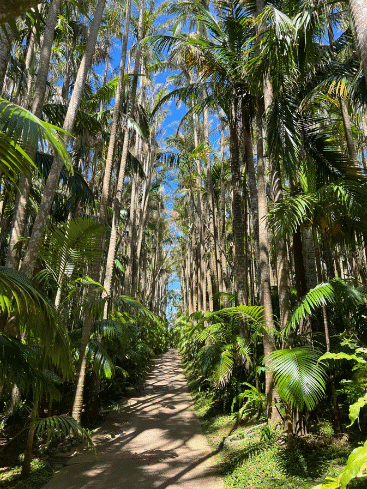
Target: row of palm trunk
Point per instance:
(259, 264)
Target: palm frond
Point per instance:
(37, 317)
(61, 426)
(299, 377)
(13, 159)
(72, 245)
(133, 307)
(100, 359)
(287, 215)
(321, 295)
(26, 129)
(14, 367)
(110, 329)
(224, 368)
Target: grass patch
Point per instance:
(247, 461)
(41, 473)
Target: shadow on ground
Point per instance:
(155, 442)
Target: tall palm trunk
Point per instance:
(20, 212)
(5, 50)
(26, 469)
(336, 411)
(212, 229)
(201, 262)
(57, 165)
(359, 16)
(251, 176)
(115, 118)
(264, 267)
(281, 257)
(144, 208)
(238, 226)
(121, 176)
(225, 284)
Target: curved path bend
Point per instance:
(155, 442)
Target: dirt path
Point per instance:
(154, 443)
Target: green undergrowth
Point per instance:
(41, 473)
(248, 460)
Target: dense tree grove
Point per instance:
(255, 201)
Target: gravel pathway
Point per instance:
(155, 442)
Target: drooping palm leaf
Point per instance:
(286, 215)
(27, 130)
(100, 359)
(72, 245)
(224, 367)
(14, 366)
(107, 328)
(13, 159)
(60, 426)
(321, 295)
(37, 317)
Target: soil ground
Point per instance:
(154, 442)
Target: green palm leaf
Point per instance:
(224, 368)
(299, 377)
(321, 295)
(101, 361)
(61, 426)
(72, 245)
(13, 160)
(23, 127)
(14, 367)
(37, 317)
(291, 212)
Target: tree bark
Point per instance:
(264, 268)
(359, 16)
(212, 229)
(238, 225)
(26, 469)
(5, 51)
(115, 118)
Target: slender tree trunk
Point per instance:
(251, 175)
(359, 16)
(53, 177)
(26, 469)
(20, 213)
(115, 118)
(281, 257)
(121, 176)
(212, 230)
(82, 368)
(238, 226)
(5, 51)
(264, 268)
(327, 340)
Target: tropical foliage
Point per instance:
(253, 199)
